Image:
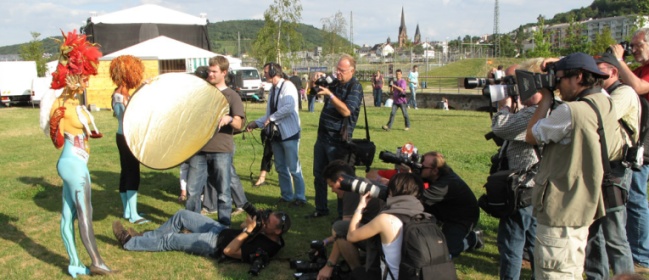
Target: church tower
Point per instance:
(417, 39)
(403, 34)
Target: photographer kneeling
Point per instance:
(209, 237)
(333, 174)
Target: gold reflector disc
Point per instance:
(171, 118)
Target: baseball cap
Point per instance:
(608, 58)
(580, 61)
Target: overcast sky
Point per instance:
(373, 21)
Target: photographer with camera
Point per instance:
(334, 173)
(336, 126)
(567, 196)
(398, 88)
(207, 237)
(517, 231)
(637, 224)
(403, 159)
(403, 191)
(447, 197)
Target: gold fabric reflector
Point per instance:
(171, 118)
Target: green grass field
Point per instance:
(30, 206)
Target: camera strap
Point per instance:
(602, 137)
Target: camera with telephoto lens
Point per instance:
(628, 50)
(261, 215)
(359, 185)
(327, 81)
(258, 260)
(411, 161)
(317, 258)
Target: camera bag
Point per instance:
(617, 174)
(507, 191)
(360, 151)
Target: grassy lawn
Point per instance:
(31, 187)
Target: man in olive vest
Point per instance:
(568, 188)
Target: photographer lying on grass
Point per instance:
(209, 237)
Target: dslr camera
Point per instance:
(261, 215)
(259, 260)
(410, 161)
(327, 81)
(359, 185)
(627, 49)
(317, 259)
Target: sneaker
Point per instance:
(640, 268)
(479, 244)
(407, 128)
(298, 203)
(120, 233)
(316, 214)
(386, 128)
(237, 211)
(416, 108)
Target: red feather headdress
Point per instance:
(78, 57)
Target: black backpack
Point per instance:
(424, 251)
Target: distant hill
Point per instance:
(223, 37)
(603, 9)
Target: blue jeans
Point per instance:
(404, 111)
(215, 169)
(413, 98)
(378, 93)
(515, 233)
(606, 245)
(311, 99)
(324, 152)
(202, 240)
(637, 220)
(289, 170)
(459, 238)
(238, 195)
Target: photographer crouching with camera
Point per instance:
(261, 236)
(336, 126)
(517, 231)
(340, 177)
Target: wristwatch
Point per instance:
(330, 264)
(245, 230)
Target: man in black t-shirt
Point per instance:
(208, 237)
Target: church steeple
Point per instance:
(403, 34)
(417, 38)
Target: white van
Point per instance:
(16, 80)
(247, 82)
(39, 87)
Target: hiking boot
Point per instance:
(133, 232)
(297, 203)
(120, 233)
(479, 244)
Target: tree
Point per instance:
(507, 47)
(521, 37)
(575, 41)
(602, 42)
(33, 51)
(279, 32)
(541, 41)
(418, 49)
(334, 26)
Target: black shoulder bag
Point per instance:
(361, 151)
(617, 174)
(272, 130)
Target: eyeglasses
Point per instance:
(341, 71)
(557, 79)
